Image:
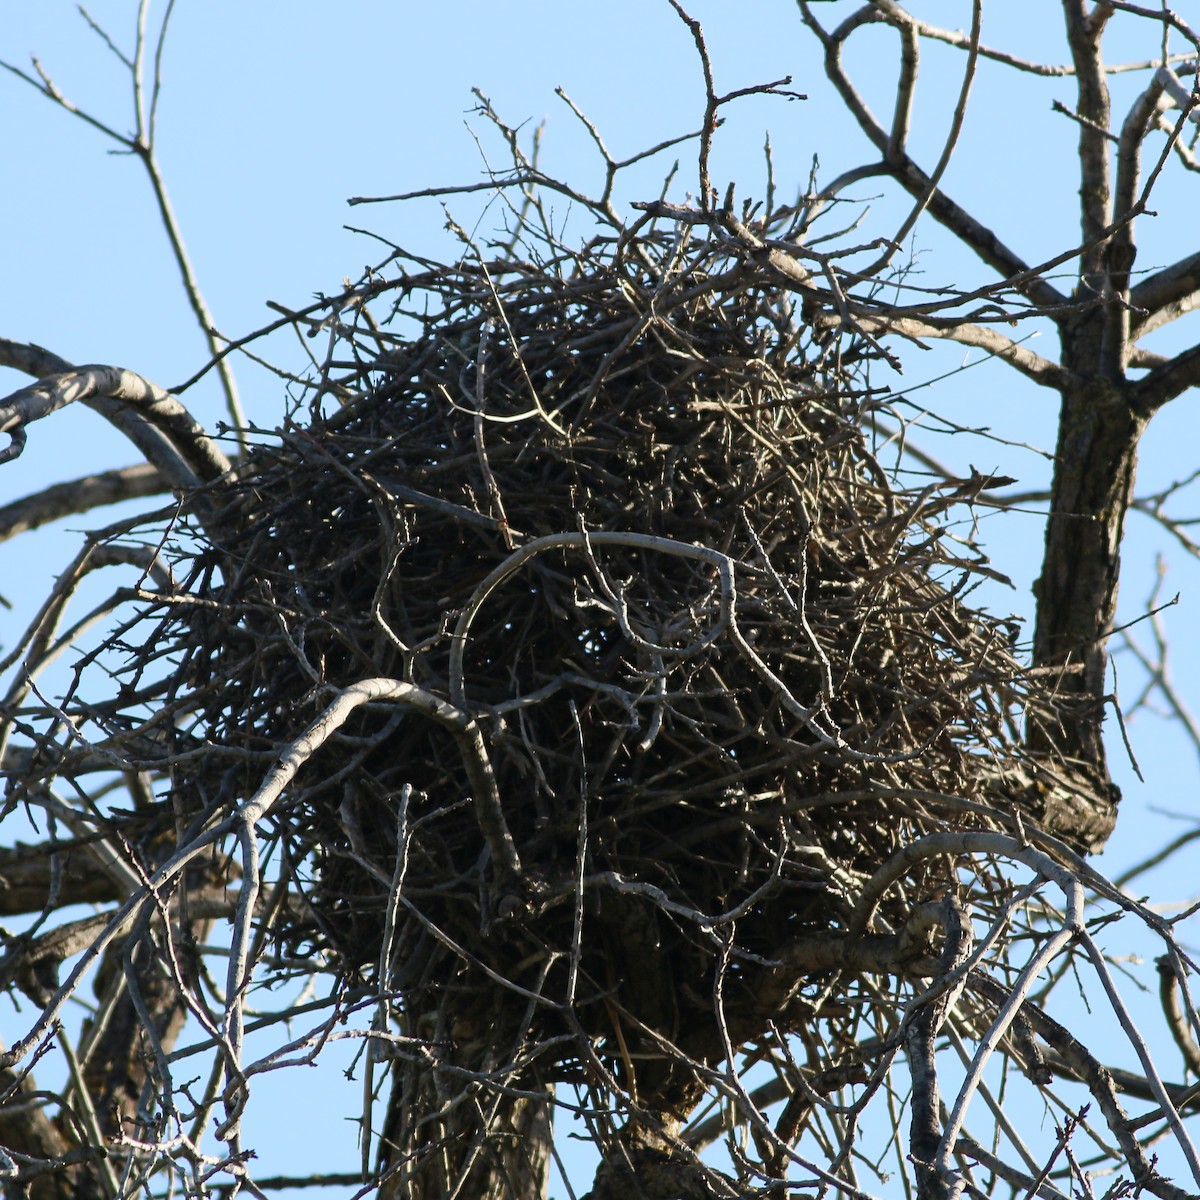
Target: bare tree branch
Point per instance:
(901, 167)
(1168, 380)
(1166, 296)
(1042, 371)
(78, 496)
(194, 457)
(142, 146)
(577, 702)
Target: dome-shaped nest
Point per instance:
(675, 661)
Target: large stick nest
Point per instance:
(685, 662)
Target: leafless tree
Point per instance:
(577, 703)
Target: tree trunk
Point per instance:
(26, 1129)
(1095, 465)
(464, 1142)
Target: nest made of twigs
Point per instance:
(621, 516)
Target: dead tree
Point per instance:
(578, 703)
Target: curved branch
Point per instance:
(1177, 1022)
(901, 167)
(1122, 249)
(37, 361)
(951, 142)
(112, 391)
(935, 844)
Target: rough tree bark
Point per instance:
(1103, 409)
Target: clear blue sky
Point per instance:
(274, 114)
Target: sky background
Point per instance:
(274, 114)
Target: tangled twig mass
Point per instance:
(574, 688)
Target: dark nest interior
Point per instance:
(683, 663)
